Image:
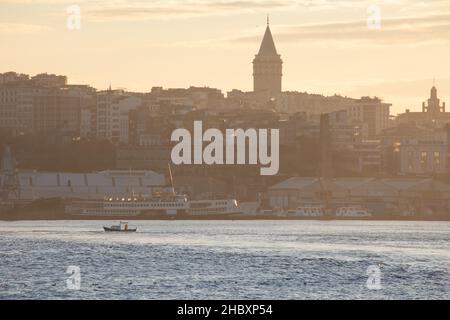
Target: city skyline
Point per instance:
(138, 45)
(224, 156)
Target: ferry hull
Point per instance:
(107, 229)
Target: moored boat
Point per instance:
(354, 211)
(307, 210)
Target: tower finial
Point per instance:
(268, 20)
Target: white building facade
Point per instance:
(112, 113)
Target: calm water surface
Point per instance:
(226, 260)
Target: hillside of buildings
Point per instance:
(54, 126)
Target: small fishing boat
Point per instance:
(121, 227)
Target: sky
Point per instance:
(328, 46)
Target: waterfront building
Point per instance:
(16, 106)
(433, 113)
(193, 97)
(415, 149)
(34, 185)
(87, 124)
(49, 80)
(155, 157)
(56, 112)
(43, 104)
(13, 77)
(370, 156)
(312, 104)
(380, 195)
(424, 156)
(371, 111)
(112, 110)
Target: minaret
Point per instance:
(267, 67)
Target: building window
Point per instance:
(423, 160)
(448, 160)
(437, 159)
(410, 160)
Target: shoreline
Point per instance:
(55, 210)
(221, 218)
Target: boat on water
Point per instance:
(157, 204)
(353, 212)
(154, 205)
(121, 227)
(309, 210)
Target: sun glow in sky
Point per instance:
(325, 44)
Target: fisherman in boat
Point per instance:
(122, 227)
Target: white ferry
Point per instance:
(275, 212)
(311, 210)
(213, 207)
(154, 205)
(353, 212)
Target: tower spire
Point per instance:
(267, 66)
(267, 45)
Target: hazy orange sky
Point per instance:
(325, 44)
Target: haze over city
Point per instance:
(325, 45)
(220, 156)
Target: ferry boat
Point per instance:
(213, 207)
(155, 205)
(130, 206)
(121, 227)
(161, 204)
(353, 212)
(310, 210)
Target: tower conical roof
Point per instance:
(267, 45)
